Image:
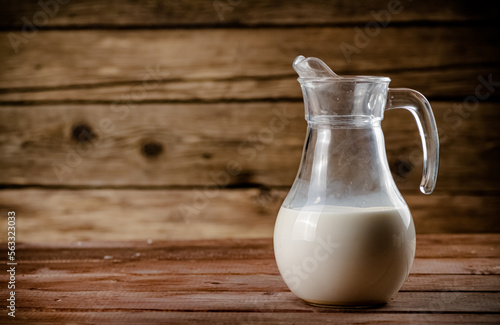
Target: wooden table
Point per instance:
(455, 279)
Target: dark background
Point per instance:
(151, 119)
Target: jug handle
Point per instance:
(420, 108)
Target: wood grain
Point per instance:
(120, 282)
(487, 302)
(143, 155)
(243, 13)
(117, 56)
(429, 246)
(221, 144)
(230, 318)
(138, 266)
(83, 215)
(439, 83)
(184, 279)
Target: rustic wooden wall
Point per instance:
(137, 120)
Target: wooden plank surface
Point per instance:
(116, 56)
(182, 280)
(466, 302)
(430, 246)
(135, 265)
(231, 318)
(221, 144)
(242, 13)
(82, 215)
(235, 283)
(439, 83)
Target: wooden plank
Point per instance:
(133, 265)
(419, 282)
(427, 243)
(205, 260)
(256, 317)
(185, 144)
(450, 214)
(461, 249)
(489, 240)
(428, 246)
(242, 13)
(118, 56)
(234, 213)
(475, 266)
(434, 83)
(122, 282)
(459, 302)
(92, 215)
(179, 133)
(450, 245)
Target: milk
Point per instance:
(333, 255)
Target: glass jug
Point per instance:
(344, 235)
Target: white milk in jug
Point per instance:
(337, 255)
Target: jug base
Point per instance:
(340, 305)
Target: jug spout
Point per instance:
(330, 98)
(312, 68)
